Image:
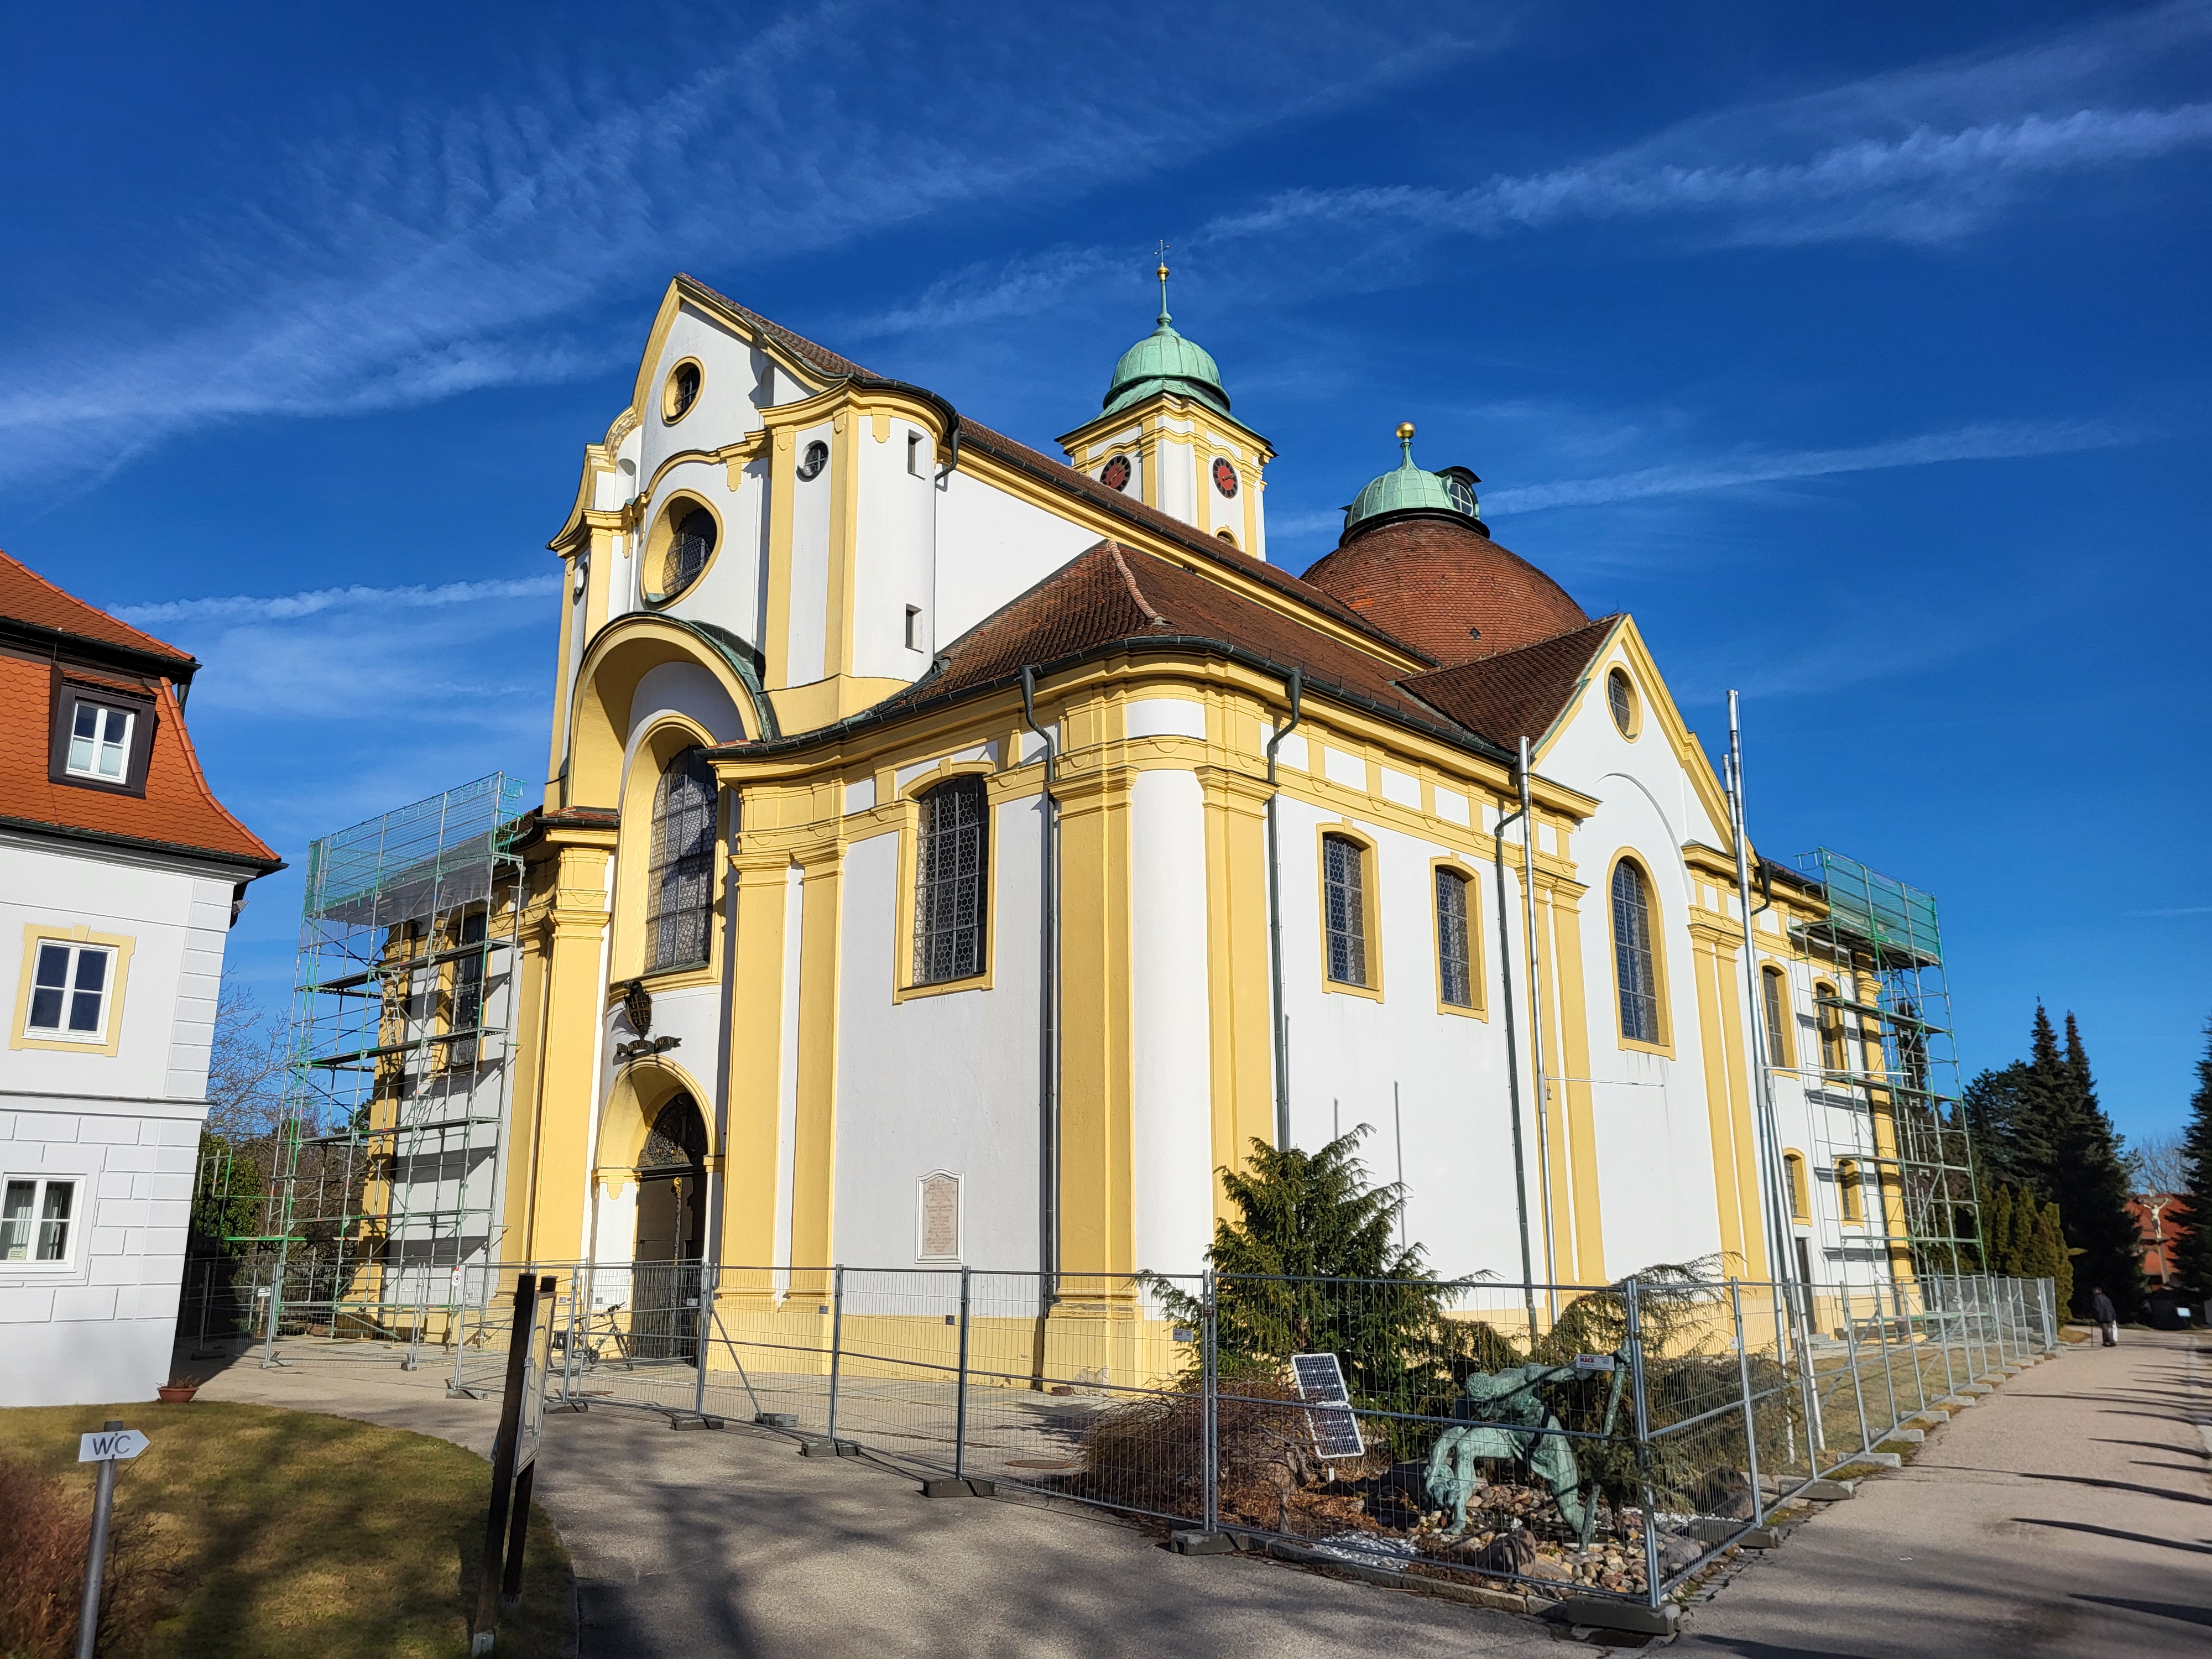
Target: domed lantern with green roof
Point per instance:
(1164, 361)
(1409, 489)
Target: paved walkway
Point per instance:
(708, 1544)
(2067, 1514)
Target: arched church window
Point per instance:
(1634, 969)
(951, 875)
(680, 877)
(1454, 965)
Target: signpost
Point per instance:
(514, 1454)
(112, 1443)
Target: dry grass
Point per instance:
(292, 1532)
(48, 1533)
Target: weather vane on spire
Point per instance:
(1163, 281)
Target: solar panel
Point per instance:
(1319, 1382)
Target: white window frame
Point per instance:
(122, 775)
(72, 1224)
(96, 1038)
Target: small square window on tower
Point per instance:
(913, 627)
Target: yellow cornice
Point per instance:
(1159, 404)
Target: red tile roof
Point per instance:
(177, 812)
(1515, 694)
(1114, 595)
(1441, 585)
(27, 596)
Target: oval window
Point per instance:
(817, 457)
(683, 383)
(1621, 696)
(692, 533)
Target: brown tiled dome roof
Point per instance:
(1438, 583)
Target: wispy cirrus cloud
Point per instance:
(455, 250)
(1927, 154)
(289, 607)
(1992, 441)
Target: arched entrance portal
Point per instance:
(672, 1232)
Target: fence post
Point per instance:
(2047, 1297)
(1750, 1410)
(1209, 1406)
(1644, 1447)
(836, 1342)
(960, 1409)
(1943, 1329)
(1816, 1431)
(705, 1286)
(1883, 1327)
(268, 1325)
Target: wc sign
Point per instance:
(107, 1447)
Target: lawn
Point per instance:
(292, 1533)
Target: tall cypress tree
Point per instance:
(2055, 1262)
(2090, 1183)
(2192, 1254)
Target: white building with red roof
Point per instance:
(120, 875)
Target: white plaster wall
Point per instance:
(1177, 479)
(728, 593)
(100, 1326)
(1172, 1126)
(993, 547)
(179, 914)
(895, 551)
(684, 688)
(725, 412)
(944, 1082)
(1348, 1051)
(810, 559)
(1165, 717)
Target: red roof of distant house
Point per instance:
(179, 811)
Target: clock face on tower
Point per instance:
(1117, 473)
(1225, 477)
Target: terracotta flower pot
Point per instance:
(176, 1396)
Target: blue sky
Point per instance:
(1861, 352)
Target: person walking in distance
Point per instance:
(2107, 1317)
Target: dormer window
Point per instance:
(100, 742)
(100, 737)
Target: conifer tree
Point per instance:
(2008, 1146)
(1997, 1242)
(2056, 1261)
(2090, 1184)
(2192, 1254)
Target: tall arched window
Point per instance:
(1634, 967)
(1827, 1011)
(1774, 1002)
(680, 877)
(1800, 1198)
(1849, 1189)
(1455, 960)
(1344, 895)
(952, 880)
(689, 544)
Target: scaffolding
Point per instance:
(387, 1167)
(1887, 1076)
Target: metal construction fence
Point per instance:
(1586, 1440)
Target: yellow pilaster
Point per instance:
(755, 1078)
(1097, 1049)
(1563, 914)
(573, 932)
(814, 1135)
(1736, 1172)
(844, 579)
(1239, 1005)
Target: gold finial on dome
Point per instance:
(1405, 430)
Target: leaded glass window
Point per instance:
(1454, 965)
(689, 545)
(950, 881)
(1344, 896)
(680, 879)
(1634, 967)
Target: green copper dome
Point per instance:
(1407, 489)
(1165, 362)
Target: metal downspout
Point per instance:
(1770, 1152)
(1536, 1029)
(1295, 685)
(1048, 1004)
(1513, 1064)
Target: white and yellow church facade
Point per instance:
(953, 853)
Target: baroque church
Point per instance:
(957, 853)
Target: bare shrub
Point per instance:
(49, 1530)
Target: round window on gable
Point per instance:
(817, 457)
(1621, 695)
(682, 544)
(682, 391)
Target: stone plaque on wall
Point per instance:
(940, 1217)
